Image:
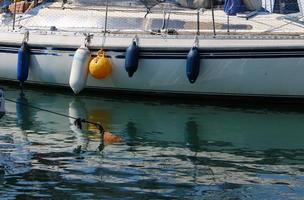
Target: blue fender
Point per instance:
(132, 57)
(193, 64)
(23, 62)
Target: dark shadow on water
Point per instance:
(191, 136)
(25, 114)
(132, 133)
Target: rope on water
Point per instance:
(78, 121)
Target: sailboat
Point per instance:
(153, 47)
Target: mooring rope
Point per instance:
(78, 121)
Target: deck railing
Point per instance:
(165, 18)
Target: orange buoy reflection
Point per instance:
(109, 138)
(102, 116)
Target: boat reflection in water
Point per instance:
(87, 131)
(25, 114)
(175, 149)
(191, 135)
(16, 159)
(195, 126)
(77, 109)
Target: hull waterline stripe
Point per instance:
(161, 54)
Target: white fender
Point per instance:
(80, 68)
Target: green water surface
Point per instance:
(171, 149)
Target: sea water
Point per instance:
(171, 149)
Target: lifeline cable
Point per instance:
(77, 121)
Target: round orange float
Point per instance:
(100, 67)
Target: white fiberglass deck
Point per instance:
(91, 19)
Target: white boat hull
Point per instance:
(248, 70)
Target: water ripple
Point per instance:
(170, 151)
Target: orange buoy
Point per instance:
(100, 67)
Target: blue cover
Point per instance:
(5, 3)
(231, 7)
(23, 62)
(132, 57)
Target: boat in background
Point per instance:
(155, 48)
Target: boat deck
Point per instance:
(129, 20)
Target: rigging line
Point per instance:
(42, 109)
(14, 14)
(213, 20)
(106, 18)
(148, 11)
(168, 19)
